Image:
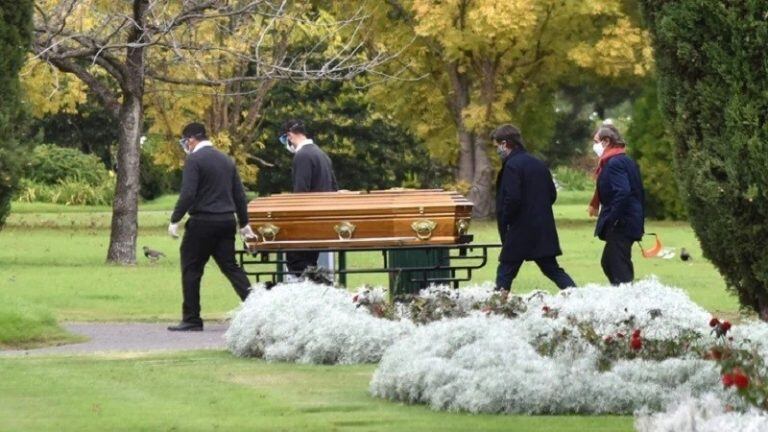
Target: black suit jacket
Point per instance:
(525, 193)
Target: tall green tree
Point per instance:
(474, 64)
(15, 36)
(713, 77)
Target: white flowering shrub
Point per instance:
(309, 323)
(487, 364)
(704, 414)
(594, 349)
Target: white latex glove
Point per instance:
(247, 233)
(173, 230)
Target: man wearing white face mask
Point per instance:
(212, 194)
(619, 199)
(312, 172)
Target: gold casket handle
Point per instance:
(423, 228)
(462, 226)
(344, 230)
(268, 231)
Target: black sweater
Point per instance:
(211, 188)
(313, 170)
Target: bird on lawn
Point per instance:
(152, 254)
(684, 255)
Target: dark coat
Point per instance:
(525, 193)
(622, 198)
(313, 170)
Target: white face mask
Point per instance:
(287, 143)
(598, 149)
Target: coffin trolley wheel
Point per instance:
(423, 228)
(268, 232)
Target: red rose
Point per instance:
(728, 380)
(636, 333)
(713, 322)
(740, 380)
(636, 343)
(725, 325)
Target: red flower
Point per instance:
(727, 380)
(725, 325)
(636, 343)
(636, 333)
(713, 322)
(545, 309)
(354, 299)
(740, 380)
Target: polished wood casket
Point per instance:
(353, 220)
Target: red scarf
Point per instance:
(607, 154)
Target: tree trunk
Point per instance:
(457, 100)
(481, 193)
(122, 240)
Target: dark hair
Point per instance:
(614, 137)
(295, 126)
(194, 130)
(509, 134)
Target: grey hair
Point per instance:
(614, 137)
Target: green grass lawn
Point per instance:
(24, 325)
(206, 391)
(55, 259)
(52, 264)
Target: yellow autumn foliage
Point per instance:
(499, 53)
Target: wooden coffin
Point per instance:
(349, 220)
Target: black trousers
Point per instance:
(507, 271)
(617, 258)
(203, 239)
(297, 262)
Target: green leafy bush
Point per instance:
(156, 180)
(15, 34)
(69, 191)
(572, 179)
(50, 164)
(651, 146)
(710, 56)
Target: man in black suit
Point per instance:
(312, 172)
(212, 194)
(525, 193)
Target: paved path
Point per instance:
(132, 337)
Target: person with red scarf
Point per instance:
(618, 203)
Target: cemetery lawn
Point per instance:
(52, 269)
(208, 390)
(53, 257)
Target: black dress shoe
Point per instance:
(185, 326)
